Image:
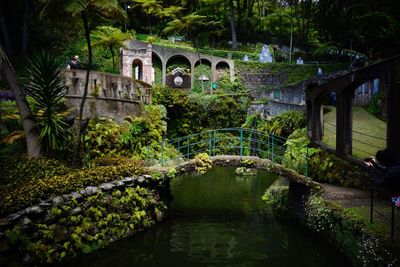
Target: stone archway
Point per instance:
(202, 75)
(138, 56)
(222, 68)
(344, 87)
(152, 55)
(179, 65)
(137, 69)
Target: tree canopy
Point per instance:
(370, 27)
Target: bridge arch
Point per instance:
(158, 68)
(202, 74)
(344, 87)
(148, 53)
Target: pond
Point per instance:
(218, 219)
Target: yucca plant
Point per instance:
(45, 83)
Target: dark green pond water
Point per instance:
(218, 219)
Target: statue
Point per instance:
(246, 58)
(265, 55)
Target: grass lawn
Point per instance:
(382, 220)
(369, 132)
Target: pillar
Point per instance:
(126, 68)
(164, 71)
(213, 71)
(344, 121)
(148, 65)
(314, 120)
(392, 83)
(232, 71)
(192, 74)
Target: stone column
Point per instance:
(126, 64)
(314, 120)
(392, 83)
(232, 71)
(344, 121)
(164, 71)
(213, 71)
(192, 74)
(147, 66)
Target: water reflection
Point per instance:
(218, 219)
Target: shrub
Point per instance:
(113, 161)
(323, 166)
(286, 123)
(375, 106)
(31, 192)
(23, 169)
(203, 163)
(277, 197)
(346, 232)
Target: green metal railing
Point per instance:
(228, 141)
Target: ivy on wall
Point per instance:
(79, 226)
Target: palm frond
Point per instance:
(13, 137)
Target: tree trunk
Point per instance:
(33, 145)
(82, 105)
(112, 55)
(233, 30)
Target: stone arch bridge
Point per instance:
(387, 71)
(143, 55)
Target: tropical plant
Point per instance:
(150, 7)
(186, 25)
(30, 129)
(111, 38)
(44, 81)
(84, 8)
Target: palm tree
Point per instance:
(150, 7)
(110, 37)
(45, 83)
(187, 25)
(82, 9)
(33, 145)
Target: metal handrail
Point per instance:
(230, 141)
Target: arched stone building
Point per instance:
(137, 61)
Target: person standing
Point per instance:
(74, 62)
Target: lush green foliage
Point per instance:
(21, 169)
(323, 166)
(46, 86)
(343, 229)
(110, 38)
(112, 161)
(298, 151)
(75, 228)
(138, 137)
(28, 193)
(282, 125)
(202, 163)
(375, 106)
(288, 74)
(192, 113)
(12, 136)
(277, 197)
(200, 86)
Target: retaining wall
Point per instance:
(80, 222)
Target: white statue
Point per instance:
(265, 55)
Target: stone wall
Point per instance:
(109, 95)
(80, 222)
